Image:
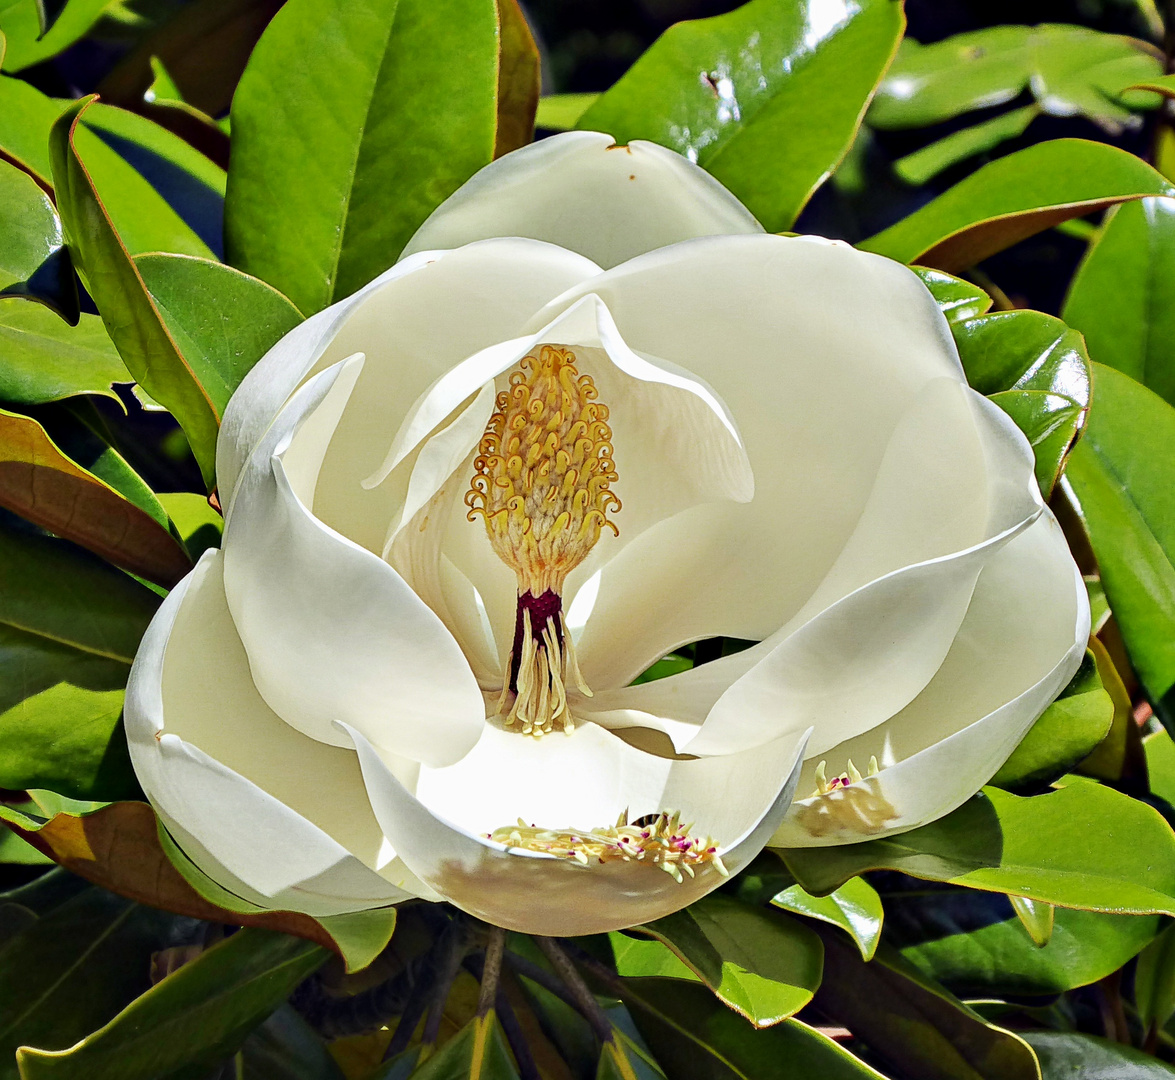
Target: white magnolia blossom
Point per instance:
(592, 415)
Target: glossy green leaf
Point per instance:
(925, 164)
(693, 1035)
(1083, 846)
(1123, 297)
(957, 299)
(1016, 197)
(131, 316)
(1071, 71)
(1038, 919)
(1160, 84)
(41, 483)
(914, 1023)
(1160, 764)
(1067, 1055)
(767, 98)
(1154, 980)
(33, 258)
(561, 112)
(1125, 491)
(70, 625)
(622, 1059)
(855, 907)
(340, 153)
(73, 969)
(199, 1014)
(1067, 732)
(17, 852)
(285, 1047)
(477, 1052)
(973, 943)
(43, 359)
(1036, 369)
(761, 963)
(223, 321)
(636, 957)
(29, 42)
(198, 524)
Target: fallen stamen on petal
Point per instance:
(541, 483)
(660, 840)
(851, 775)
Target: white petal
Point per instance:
(271, 815)
(332, 632)
(536, 893)
(583, 192)
(1022, 641)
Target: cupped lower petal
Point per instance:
(275, 817)
(332, 632)
(818, 351)
(583, 192)
(1021, 642)
(440, 829)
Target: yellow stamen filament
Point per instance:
(662, 842)
(542, 485)
(851, 775)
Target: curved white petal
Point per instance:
(269, 814)
(583, 192)
(1021, 642)
(589, 773)
(332, 631)
(762, 320)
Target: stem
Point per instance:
(503, 1010)
(406, 1028)
(544, 979)
(456, 945)
(491, 970)
(586, 1001)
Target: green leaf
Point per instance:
(973, 943)
(1071, 71)
(198, 524)
(477, 1052)
(1016, 197)
(913, 1023)
(30, 41)
(70, 625)
(223, 321)
(198, 1015)
(1066, 1055)
(1035, 368)
(341, 152)
(855, 907)
(694, 1036)
(33, 258)
(39, 482)
(1160, 764)
(1154, 980)
(1037, 919)
(640, 958)
(131, 316)
(285, 1047)
(925, 164)
(1083, 846)
(43, 359)
(1067, 732)
(1123, 298)
(622, 1059)
(16, 852)
(767, 98)
(72, 969)
(1125, 493)
(763, 965)
(957, 299)
(561, 112)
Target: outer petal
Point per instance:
(332, 631)
(738, 798)
(763, 321)
(275, 817)
(1023, 639)
(412, 323)
(583, 192)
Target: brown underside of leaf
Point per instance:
(42, 485)
(518, 79)
(118, 848)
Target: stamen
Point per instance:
(659, 840)
(851, 775)
(542, 485)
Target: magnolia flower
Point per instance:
(595, 414)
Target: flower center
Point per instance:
(542, 485)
